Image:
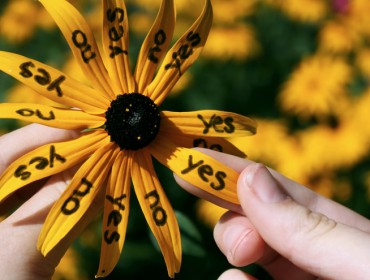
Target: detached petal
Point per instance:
(213, 143)
(75, 201)
(48, 160)
(82, 43)
(50, 116)
(155, 44)
(182, 55)
(116, 211)
(209, 123)
(157, 210)
(116, 45)
(52, 83)
(197, 168)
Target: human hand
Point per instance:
(19, 232)
(291, 231)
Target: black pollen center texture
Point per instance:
(132, 121)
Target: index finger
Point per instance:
(19, 142)
(299, 193)
(25, 139)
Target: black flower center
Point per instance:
(132, 121)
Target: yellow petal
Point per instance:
(209, 123)
(116, 210)
(157, 210)
(87, 183)
(52, 83)
(155, 44)
(50, 116)
(82, 43)
(48, 160)
(181, 56)
(116, 45)
(213, 143)
(197, 168)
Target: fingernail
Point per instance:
(260, 181)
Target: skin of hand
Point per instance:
(291, 231)
(19, 232)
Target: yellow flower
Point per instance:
(243, 46)
(229, 26)
(337, 37)
(270, 145)
(317, 87)
(333, 148)
(21, 17)
(360, 115)
(303, 10)
(277, 147)
(232, 10)
(358, 14)
(18, 20)
(362, 61)
(121, 128)
(328, 185)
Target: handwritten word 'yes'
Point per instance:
(218, 123)
(184, 51)
(40, 163)
(114, 219)
(42, 77)
(205, 171)
(116, 33)
(30, 113)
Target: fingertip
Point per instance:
(235, 274)
(36, 208)
(27, 138)
(256, 181)
(238, 239)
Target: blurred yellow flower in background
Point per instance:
(18, 21)
(362, 61)
(317, 87)
(20, 18)
(336, 37)
(263, 146)
(302, 10)
(326, 148)
(358, 14)
(237, 42)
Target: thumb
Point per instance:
(311, 241)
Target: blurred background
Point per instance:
(301, 68)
